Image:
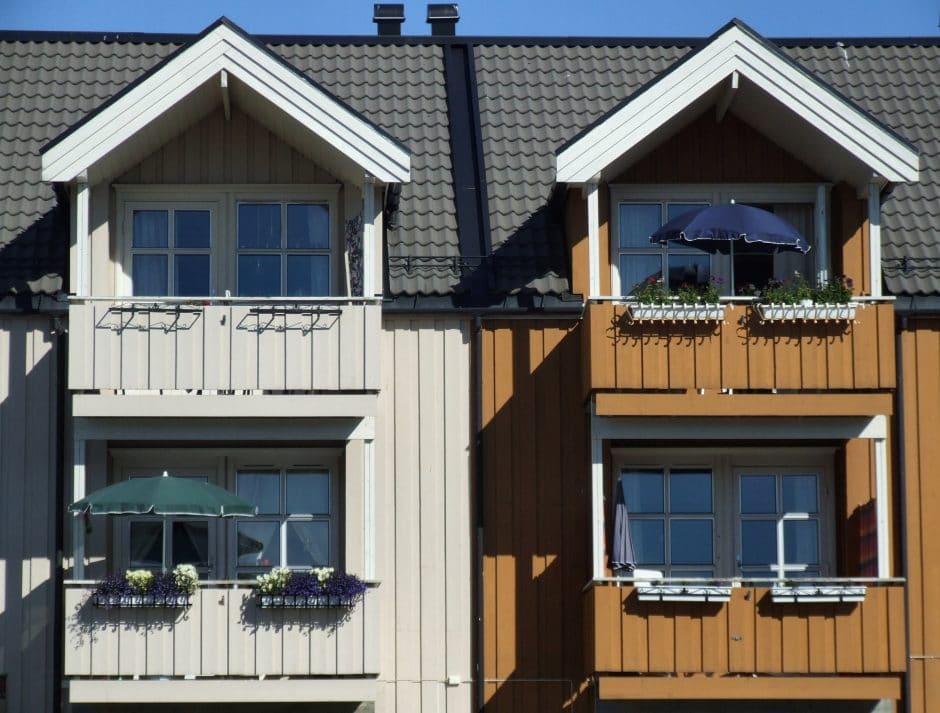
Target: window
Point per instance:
(671, 519)
(639, 260)
(170, 250)
(736, 513)
(295, 522)
(283, 249)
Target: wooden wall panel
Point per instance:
(849, 245)
(28, 448)
(423, 516)
(920, 357)
(535, 557)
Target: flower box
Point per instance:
(141, 601)
(677, 312)
(806, 312)
(271, 601)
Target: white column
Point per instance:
(874, 236)
(881, 507)
(822, 234)
(594, 239)
(81, 197)
(597, 503)
(368, 237)
(368, 510)
(78, 521)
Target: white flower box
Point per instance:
(807, 312)
(677, 313)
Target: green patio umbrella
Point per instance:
(164, 495)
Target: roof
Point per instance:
(534, 94)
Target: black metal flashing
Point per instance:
(917, 305)
(523, 304)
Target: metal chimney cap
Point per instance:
(443, 11)
(384, 11)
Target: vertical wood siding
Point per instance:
(423, 517)
(28, 383)
(920, 355)
(214, 150)
(536, 547)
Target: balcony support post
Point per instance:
(368, 507)
(881, 507)
(597, 502)
(822, 234)
(874, 235)
(368, 237)
(594, 239)
(78, 521)
(81, 198)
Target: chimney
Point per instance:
(388, 17)
(442, 17)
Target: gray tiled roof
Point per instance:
(46, 86)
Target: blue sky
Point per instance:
(775, 18)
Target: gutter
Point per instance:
(58, 578)
(902, 493)
(476, 388)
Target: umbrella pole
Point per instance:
(165, 541)
(734, 287)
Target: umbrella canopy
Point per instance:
(715, 229)
(164, 495)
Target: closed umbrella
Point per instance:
(622, 556)
(716, 228)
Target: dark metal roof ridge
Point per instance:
(248, 38)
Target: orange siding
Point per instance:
(536, 547)
(849, 245)
(920, 356)
(748, 635)
(739, 353)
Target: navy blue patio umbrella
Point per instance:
(716, 228)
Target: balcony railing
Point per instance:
(223, 634)
(741, 351)
(224, 345)
(749, 634)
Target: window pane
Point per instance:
(758, 542)
(308, 543)
(690, 491)
(691, 542)
(259, 275)
(758, 494)
(149, 274)
(191, 543)
(308, 226)
(191, 274)
(308, 493)
(689, 269)
(146, 546)
(799, 493)
(259, 225)
(649, 542)
(261, 489)
(308, 275)
(636, 269)
(191, 228)
(674, 210)
(642, 490)
(637, 222)
(801, 541)
(258, 544)
(150, 229)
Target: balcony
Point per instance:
(224, 346)
(744, 351)
(209, 650)
(749, 636)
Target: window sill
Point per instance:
(684, 593)
(677, 313)
(821, 593)
(809, 312)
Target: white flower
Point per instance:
(185, 577)
(140, 579)
(322, 573)
(273, 582)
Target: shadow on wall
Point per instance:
(535, 508)
(27, 513)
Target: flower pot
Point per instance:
(289, 601)
(677, 313)
(266, 601)
(277, 601)
(147, 600)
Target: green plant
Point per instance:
(788, 291)
(651, 292)
(141, 580)
(837, 291)
(655, 292)
(185, 577)
(273, 582)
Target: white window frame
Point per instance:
(284, 461)
(223, 199)
(815, 194)
(725, 464)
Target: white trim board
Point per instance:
(224, 690)
(225, 49)
(683, 428)
(737, 50)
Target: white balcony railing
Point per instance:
(224, 345)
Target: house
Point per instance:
(380, 287)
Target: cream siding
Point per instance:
(28, 384)
(423, 525)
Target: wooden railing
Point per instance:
(740, 352)
(225, 345)
(748, 635)
(223, 634)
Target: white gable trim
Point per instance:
(224, 49)
(737, 51)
